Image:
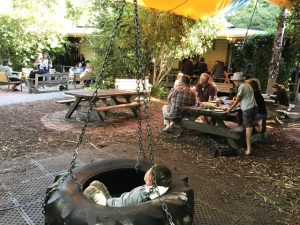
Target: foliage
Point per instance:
(165, 37)
(292, 45)
(21, 45)
(159, 91)
(258, 51)
(264, 17)
(199, 37)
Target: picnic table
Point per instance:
(110, 99)
(217, 125)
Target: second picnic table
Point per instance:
(216, 127)
(103, 96)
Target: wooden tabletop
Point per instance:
(102, 93)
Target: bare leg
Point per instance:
(248, 140)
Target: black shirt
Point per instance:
(205, 92)
(281, 97)
(202, 68)
(260, 103)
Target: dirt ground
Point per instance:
(30, 128)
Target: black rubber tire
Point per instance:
(68, 205)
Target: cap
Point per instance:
(238, 76)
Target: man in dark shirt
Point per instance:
(205, 91)
(202, 67)
(187, 67)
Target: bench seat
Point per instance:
(4, 80)
(65, 101)
(113, 107)
(54, 79)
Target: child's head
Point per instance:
(254, 83)
(35, 67)
(163, 176)
(179, 76)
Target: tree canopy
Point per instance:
(165, 37)
(264, 17)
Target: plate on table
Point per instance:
(219, 110)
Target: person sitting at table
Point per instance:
(33, 72)
(261, 115)
(205, 92)
(281, 102)
(281, 96)
(202, 67)
(178, 78)
(245, 97)
(86, 73)
(8, 70)
(178, 97)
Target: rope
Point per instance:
(255, 7)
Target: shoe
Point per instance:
(15, 89)
(167, 129)
(101, 187)
(95, 195)
(90, 192)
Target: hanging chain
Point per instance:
(94, 97)
(141, 76)
(141, 79)
(91, 104)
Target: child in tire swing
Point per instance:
(98, 192)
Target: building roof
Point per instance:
(238, 33)
(79, 31)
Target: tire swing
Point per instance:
(65, 202)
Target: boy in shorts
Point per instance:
(245, 97)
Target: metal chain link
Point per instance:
(91, 104)
(141, 78)
(149, 134)
(95, 94)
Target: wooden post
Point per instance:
(277, 48)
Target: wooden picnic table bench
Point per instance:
(227, 88)
(216, 127)
(52, 79)
(106, 100)
(4, 79)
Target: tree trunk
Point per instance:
(277, 48)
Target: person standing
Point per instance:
(8, 70)
(45, 65)
(217, 71)
(187, 67)
(202, 67)
(178, 97)
(245, 97)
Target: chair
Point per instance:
(4, 79)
